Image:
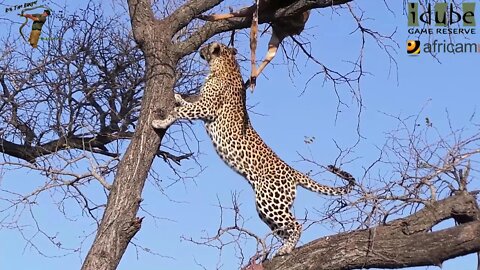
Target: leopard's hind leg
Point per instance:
(273, 202)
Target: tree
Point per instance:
(97, 105)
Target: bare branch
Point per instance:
(378, 247)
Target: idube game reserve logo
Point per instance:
(441, 23)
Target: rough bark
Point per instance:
(400, 243)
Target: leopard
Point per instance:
(222, 107)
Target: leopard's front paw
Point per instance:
(180, 101)
(163, 123)
(284, 250)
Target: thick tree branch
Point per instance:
(95, 144)
(186, 13)
(212, 28)
(379, 246)
(142, 19)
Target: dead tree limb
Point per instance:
(403, 242)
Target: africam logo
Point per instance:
(38, 19)
(436, 46)
(413, 46)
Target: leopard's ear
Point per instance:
(234, 51)
(215, 49)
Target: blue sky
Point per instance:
(283, 115)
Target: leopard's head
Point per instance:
(220, 57)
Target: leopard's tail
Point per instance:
(310, 184)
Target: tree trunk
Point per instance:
(120, 223)
(404, 242)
